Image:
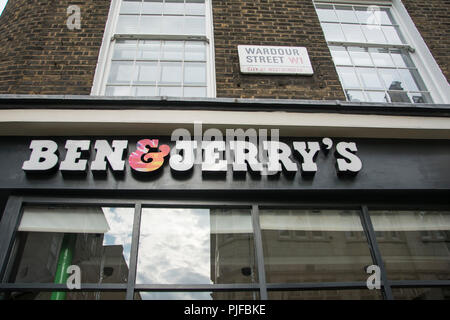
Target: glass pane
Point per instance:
(50, 239)
(355, 96)
(149, 50)
(367, 16)
(173, 25)
(195, 92)
(340, 56)
(412, 79)
(381, 57)
(171, 91)
(326, 295)
(195, 8)
(385, 16)
(171, 73)
(346, 14)
(328, 258)
(332, 32)
(373, 34)
(195, 51)
(421, 293)
(174, 7)
(151, 24)
(195, 73)
(326, 13)
(121, 72)
(118, 91)
(377, 96)
(232, 295)
(194, 25)
(131, 6)
(353, 33)
(172, 50)
(360, 56)
(401, 59)
(196, 246)
(152, 7)
(348, 77)
(146, 91)
(128, 24)
(413, 255)
(369, 78)
(392, 35)
(147, 72)
(391, 79)
(420, 97)
(125, 49)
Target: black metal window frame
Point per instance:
(13, 214)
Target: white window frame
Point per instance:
(109, 38)
(430, 72)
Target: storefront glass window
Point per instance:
(314, 246)
(196, 246)
(414, 245)
(52, 239)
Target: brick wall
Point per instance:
(271, 22)
(40, 55)
(432, 19)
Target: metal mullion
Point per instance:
(134, 251)
(419, 283)
(62, 287)
(375, 251)
(259, 253)
(317, 286)
(196, 287)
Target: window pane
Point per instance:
(194, 25)
(348, 77)
(367, 16)
(195, 8)
(146, 91)
(128, 24)
(147, 72)
(412, 79)
(328, 258)
(353, 33)
(195, 92)
(172, 50)
(173, 25)
(340, 56)
(392, 35)
(420, 97)
(414, 257)
(50, 239)
(332, 32)
(373, 34)
(401, 59)
(421, 293)
(381, 57)
(195, 51)
(346, 14)
(326, 295)
(196, 246)
(326, 13)
(121, 72)
(171, 73)
(94, 295)
(174, 7)
(377, 96)
(151, 25)
(125, 49)
(369, 78)
(131, 6)
(149, 50)
(171, 91)
(118, 91)
(360, 56)
(355, 96)
(152, 7)
(391, 79)
(195, 73)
